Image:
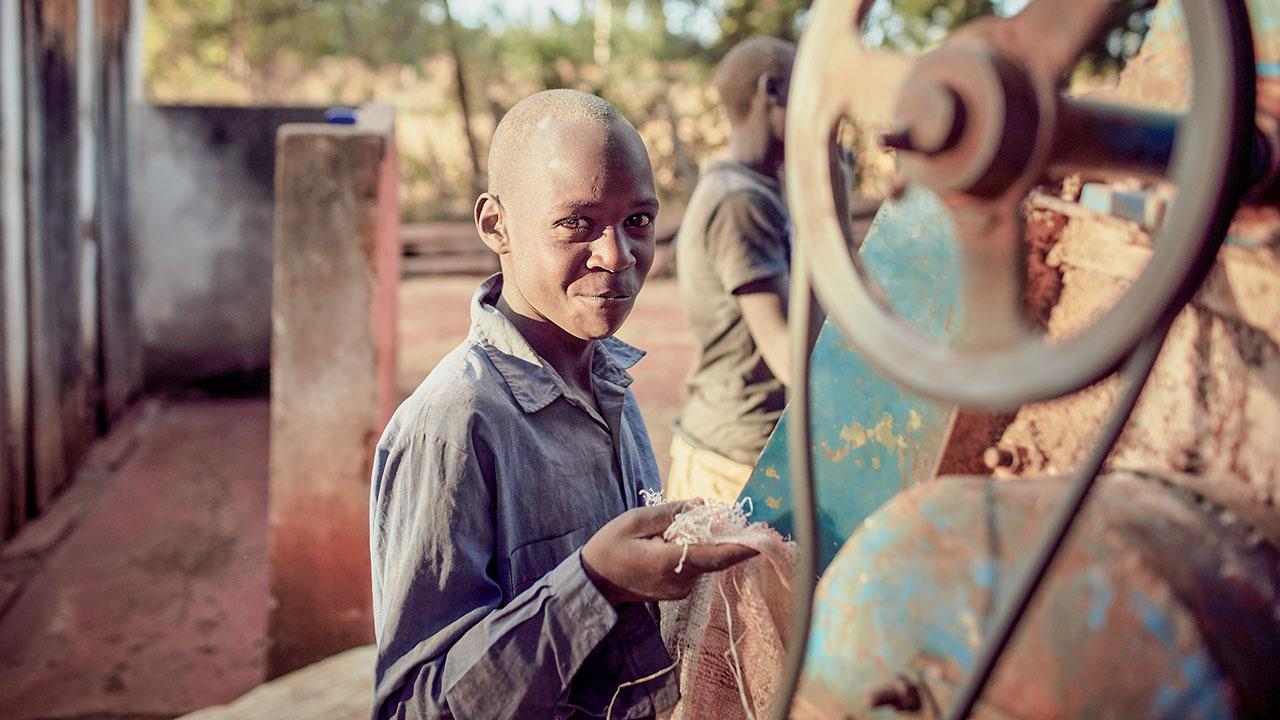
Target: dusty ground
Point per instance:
(143, 593)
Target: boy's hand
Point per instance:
(628, 560)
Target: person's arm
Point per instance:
(445, 647)
(763, 304)
(749, 245)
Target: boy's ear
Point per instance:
(769, 87)
(491, 222)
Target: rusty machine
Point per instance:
(1035, 452)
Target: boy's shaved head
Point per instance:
(512, 139)
(570, 212)
(738, 74)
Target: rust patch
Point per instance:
(113, 20)
(971, 434)
(56, 20)
(1044, 282)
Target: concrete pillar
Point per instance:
(332, 376)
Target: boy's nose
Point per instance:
(611, 251)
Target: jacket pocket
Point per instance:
(531, 561)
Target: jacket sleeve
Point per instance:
(447, 647)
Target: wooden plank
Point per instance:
(85, 72)
(13, 301)
(8, 526)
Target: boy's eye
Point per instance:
(575, 222)
(639, 220)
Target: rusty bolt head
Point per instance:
(999, 458)
(900, 694)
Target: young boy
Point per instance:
(514, 571)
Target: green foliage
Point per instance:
(1108, 54)
(376, 31)
(914, 25)
(741, 19)
(656, 66)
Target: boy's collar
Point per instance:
(533, 382)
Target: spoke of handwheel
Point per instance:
(869, 82)
(856, 82)
(1053, 33)
(991, 250)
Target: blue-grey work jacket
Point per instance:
(486, 484)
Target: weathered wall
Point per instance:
(61, 417)
(203, 212)
(337, 265)
(120, 361)
(12, 241)
(1211, 408)
(69, 359)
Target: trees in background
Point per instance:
(652, 58)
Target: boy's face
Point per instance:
(580, 228)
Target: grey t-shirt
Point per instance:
(736, 230)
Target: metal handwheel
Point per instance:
(980, 121)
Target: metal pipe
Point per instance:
(803, 498)
(1110, 139)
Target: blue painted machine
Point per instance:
(1123, 557)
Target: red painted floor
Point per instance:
(154, 602)
(143, 593)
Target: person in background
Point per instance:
(733, 258)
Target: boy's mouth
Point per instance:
(607, 297)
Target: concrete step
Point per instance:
(336, 688)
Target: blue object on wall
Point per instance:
(341, 116)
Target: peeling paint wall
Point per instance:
(1213, 402)
(1211, 409)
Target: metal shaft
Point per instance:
(803, 499)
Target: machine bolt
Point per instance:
(1004, 458)
(900, 694)
(998, 458)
